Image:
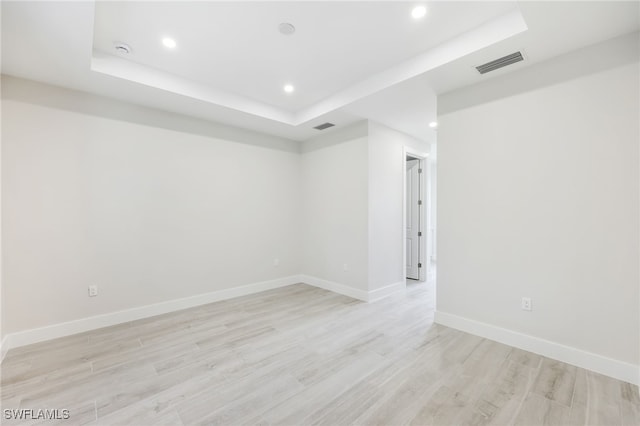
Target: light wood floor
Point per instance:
(301, 355)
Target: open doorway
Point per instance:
(416, 212)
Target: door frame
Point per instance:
(425, 196)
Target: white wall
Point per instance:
(3, 343)
(539, 196)
(353, 206)
(146, 213)
(335, 210)
(433, 188)
(153, 207)
(387, 167)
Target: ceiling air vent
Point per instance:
(324, 126)
(499, 63)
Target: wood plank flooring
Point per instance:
(304, 356)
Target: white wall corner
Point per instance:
(382, 292)
(365, 296)
(335, 287)
(35, 335)
(590, 361)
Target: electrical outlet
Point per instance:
(276, 263)
(526, 303)
(93, 290)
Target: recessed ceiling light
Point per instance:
(433, 124)
(169, 42)
(418, 12)
(289, 88)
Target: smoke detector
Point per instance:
(122, 48)
(286, 28)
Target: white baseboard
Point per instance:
(381, 293)
(41, 334)
(4, 347)
(335, 287)
(590, 361)
(54, 331)
(365, 296)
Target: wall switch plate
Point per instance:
(93, 290)
(276, 263)
(345, 267)
(526, 303)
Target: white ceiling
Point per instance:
(347, 60)
(555, 27)
(237, 46)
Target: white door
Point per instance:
(413, 219)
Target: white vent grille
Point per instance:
(499, 63)
(324, 126)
